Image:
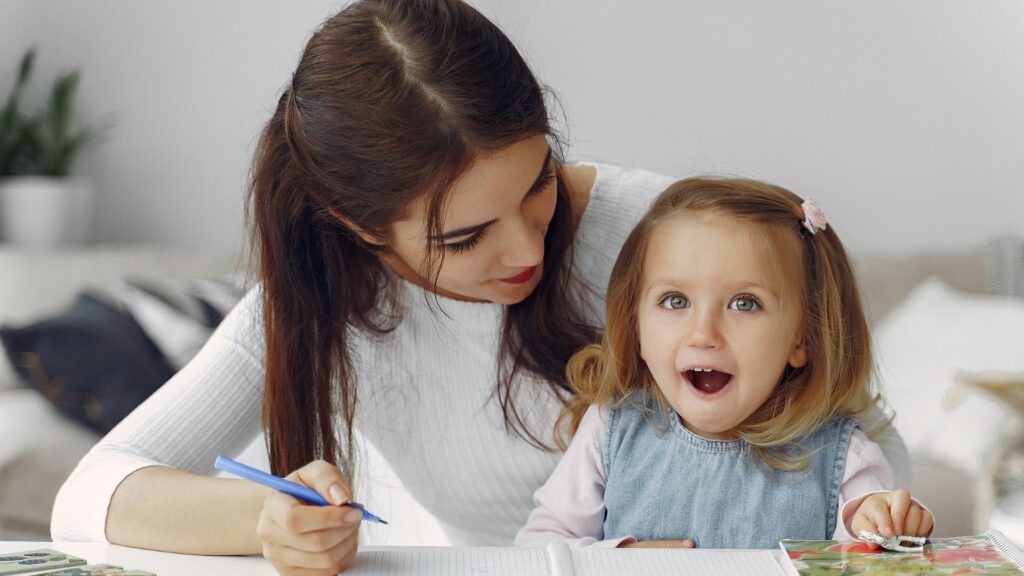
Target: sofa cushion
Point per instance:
(39, 282)
(39, 450)
(179, 315)
(924, 345)
(93, 361)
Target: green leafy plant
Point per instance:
(14, 126)
(48, 141)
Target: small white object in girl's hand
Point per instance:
(895, 543)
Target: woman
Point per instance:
(427, 266)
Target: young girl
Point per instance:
(724, 395)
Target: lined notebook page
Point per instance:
(431, 561)
(428, 561)
(603, 561)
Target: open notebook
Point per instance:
(559, 560)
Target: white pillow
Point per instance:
(921, 346)
(176, 334)
(179, 316)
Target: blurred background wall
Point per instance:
(904, 119)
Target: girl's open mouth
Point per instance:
(707, 380)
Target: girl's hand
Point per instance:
(892, 513)
(308, 540)
(659, 544)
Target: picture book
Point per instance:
(96, 570)
(988, 553)
(36, 560)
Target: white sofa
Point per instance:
(39, 447)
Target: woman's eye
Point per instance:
(744, 304)
(674, 302)
(467, 244)
(543, 184)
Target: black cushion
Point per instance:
(94, 361)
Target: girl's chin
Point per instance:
(707, 426)
(711, 431)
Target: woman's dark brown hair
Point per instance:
(391, 101)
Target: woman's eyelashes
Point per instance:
(467, 244)
(543, 184)
(742, 303)
(472, 241)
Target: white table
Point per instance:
(163, 563)
(168, 564)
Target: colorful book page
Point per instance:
(963, 555)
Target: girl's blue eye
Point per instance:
(744, 304)
(674, 302)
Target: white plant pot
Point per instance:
(44, 211)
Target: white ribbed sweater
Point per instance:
(426, 399)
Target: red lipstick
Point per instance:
(522, 277)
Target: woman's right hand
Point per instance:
(306, 540)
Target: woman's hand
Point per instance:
(308, 540)
(892, 513)
(659, 544)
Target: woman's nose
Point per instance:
(525, 247)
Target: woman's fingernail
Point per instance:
(693, 542)
(352, 516)
(337, 494)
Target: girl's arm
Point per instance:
(867, 472)
(889, 440)
(570, 505)
(123, 490)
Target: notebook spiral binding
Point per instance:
(1006, 548)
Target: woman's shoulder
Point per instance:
(617, 196)
(624, 185)
(242, 328)
(612, 201)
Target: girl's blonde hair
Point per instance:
(834, 382)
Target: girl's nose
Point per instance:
(704, 332)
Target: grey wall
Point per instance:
(187, 85)
(904, 119)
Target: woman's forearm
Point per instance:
(162, 508)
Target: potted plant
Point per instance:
(41, 204)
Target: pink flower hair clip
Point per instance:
(814, 216)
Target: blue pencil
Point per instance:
(297, 490)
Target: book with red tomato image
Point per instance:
(988, 553)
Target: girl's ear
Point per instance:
(798, 354)
(363, 234)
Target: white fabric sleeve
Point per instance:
(211, 406)
(570, 505)
(892, 445)
(867, 472)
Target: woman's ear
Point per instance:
(798, 354)
(370, 239)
